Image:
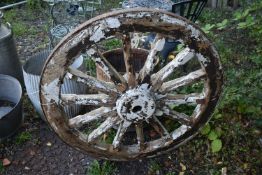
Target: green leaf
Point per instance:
(218, 116)
(208, 28)
(216, 145)
(222, 25)
(206, 129)
(212, 135)
(218, 132)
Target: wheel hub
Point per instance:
(137, 104)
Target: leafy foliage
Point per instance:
(23, 137)
(154, 168)
(1, 168)
(216, 145)
(106, 168)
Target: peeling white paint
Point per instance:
(113, 22)
(181, 58)
(98, 34)
(180, 131)
(182, 81)
(51, 91)
(172, 20)
(194, 32)
(136, 104)
(138, 15)
(90, 52)
(68, 75)
(204, 61)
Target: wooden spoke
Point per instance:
(96, 114)
(180, 117)
(127, 57)
(109, 69)
(140, 136)
(120, 133)
(178, 99)
(182, 58)
(159, 127)
(93, 99)
(105, 126)
(95, 84)
(156, 47)
(183, 81)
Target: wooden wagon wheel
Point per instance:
(134, 108)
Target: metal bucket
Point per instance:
(9, 61)
(10, 106)
(32, 72)
(116, 58)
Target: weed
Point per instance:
(171, 173)
(112, 44)
(2, 169)
(19, 28)
(107, 168)
(34, 4)
(23, 137)
(154, 167)
(90, 66)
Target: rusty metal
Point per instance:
(143, 101)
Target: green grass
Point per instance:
(23, 137)
(106, 168)
(19, 27)
(154, 168)
(2, 169)
(112, 44)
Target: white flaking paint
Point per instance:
(180, 131)
(194, 32)
(140, 98)
(204, 61)
(181, 58)
(98, 34)
(90, 52)
(51, 91)
(113, 23)
(96, 114)
(182, 81)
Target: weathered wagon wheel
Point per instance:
(134, 108)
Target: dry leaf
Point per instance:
(6, 162)
(183, 166)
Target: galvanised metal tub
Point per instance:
(32, 72)
(11, 115)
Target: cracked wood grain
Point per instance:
(178, 99)
(181, 58)
(188, 79)
(93, 115)
(149, 65)
(104, 127)
(95, 84)
(92, 99)
(124, 125)
(127, 51)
